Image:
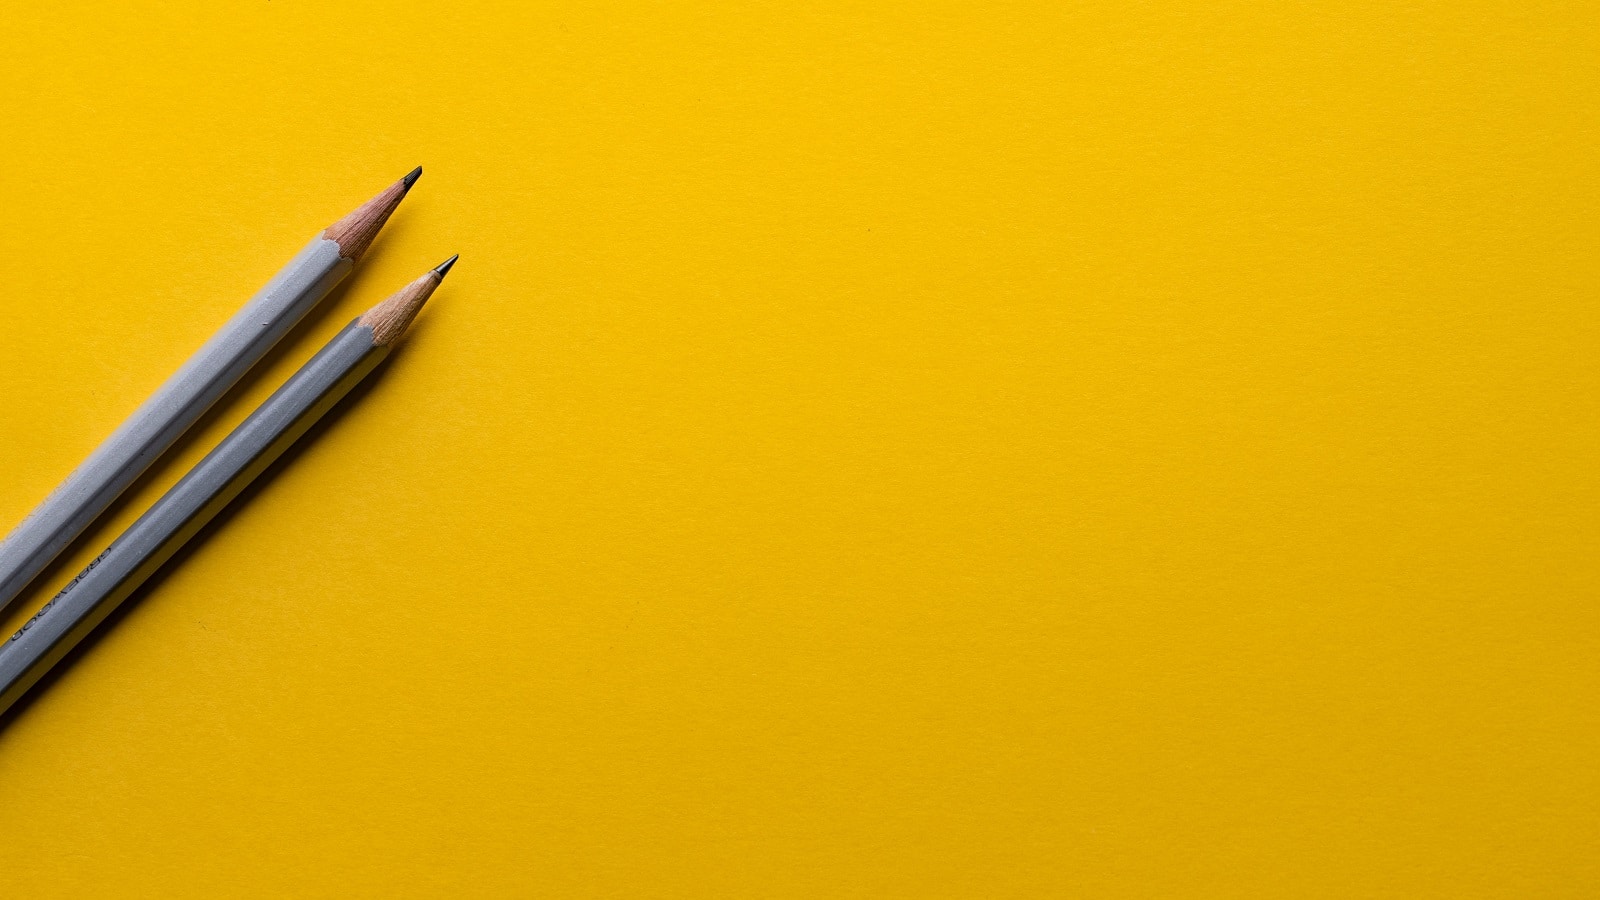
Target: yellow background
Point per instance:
(966, 449)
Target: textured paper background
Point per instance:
(972, 450)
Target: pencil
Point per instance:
(185, 509)
(178, 404)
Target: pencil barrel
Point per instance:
(186, 509)
(167, 414)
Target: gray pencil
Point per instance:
(178, 404)
(185, 509)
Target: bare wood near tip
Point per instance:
(354, 233)
(389, 319)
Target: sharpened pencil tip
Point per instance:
(389, 319)
(443, 269)
(354, 233)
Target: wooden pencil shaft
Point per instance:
(163, 418)
(186, 508)
(185, 397)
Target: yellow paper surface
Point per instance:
(878, 450)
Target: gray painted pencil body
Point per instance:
(186, 396)
(206, 490)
